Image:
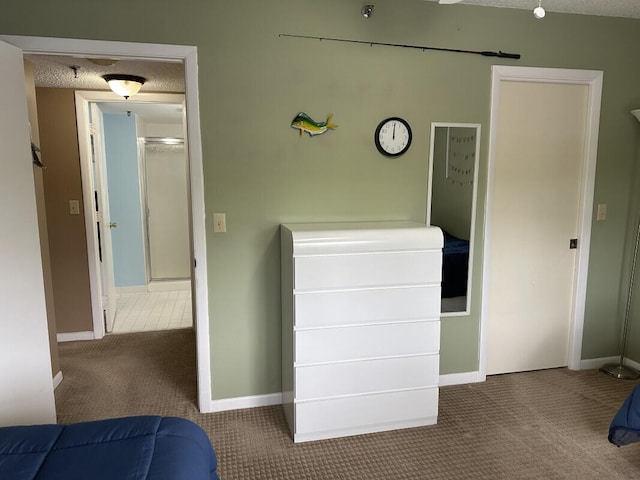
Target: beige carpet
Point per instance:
(549, 424)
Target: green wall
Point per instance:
(262, 173)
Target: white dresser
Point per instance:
(360, 327)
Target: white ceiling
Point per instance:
(607, 8)
(151, 112)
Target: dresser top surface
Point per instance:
(328, 238)
(349, 226)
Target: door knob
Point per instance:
(113, 225)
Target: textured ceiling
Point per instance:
(607, 8)
(168, 77)
(56, 72)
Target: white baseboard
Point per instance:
(245, 402)
(445, 380)
(169, 285)
(631, 363)
(276, 398)
(593, 363)
(75, 336)
(131, 289)
(57, 379)
(459, 379)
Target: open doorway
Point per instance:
(188, 56)
(134, 151)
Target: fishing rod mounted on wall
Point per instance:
(484, 53)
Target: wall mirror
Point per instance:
(451, 205)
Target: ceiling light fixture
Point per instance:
(103, 62)
(367, 10)
(539, 12)
(124, 85)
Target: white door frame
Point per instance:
(593, 79)
(84, 99)
(188, 55)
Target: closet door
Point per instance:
(538, 170)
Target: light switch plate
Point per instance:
(219, 222)
(74, 207)
(602, 212)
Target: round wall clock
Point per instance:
(393, 137)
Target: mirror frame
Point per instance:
(474, 202)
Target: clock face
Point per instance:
(393, 137)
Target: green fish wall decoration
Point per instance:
(305, 123)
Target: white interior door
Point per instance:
(539, 162)
(24, 340)
(103, 222)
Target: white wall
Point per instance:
(148, 129)
(26, 387)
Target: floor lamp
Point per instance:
(619, 370)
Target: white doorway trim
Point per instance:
(593, 79)
(188, 55)
(84, 99)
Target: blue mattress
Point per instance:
(625, 426)
(132, 448)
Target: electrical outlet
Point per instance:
(219, 222)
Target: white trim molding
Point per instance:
(57, 379)
(162, 52)
(595, 363)
(75, 336)
(593, 79)
(460, 378)
(269, 399)
(245, 402)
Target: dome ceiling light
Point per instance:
(124, 85)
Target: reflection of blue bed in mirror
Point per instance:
(455, 263)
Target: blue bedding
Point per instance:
(455, 266)
(625, 426)
(132, 448)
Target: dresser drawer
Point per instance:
(353, 307)
(367, 270)
(367, 376)
(366, 342)
(366, 413)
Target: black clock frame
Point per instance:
(376, 137)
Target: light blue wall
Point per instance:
(124, 199)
